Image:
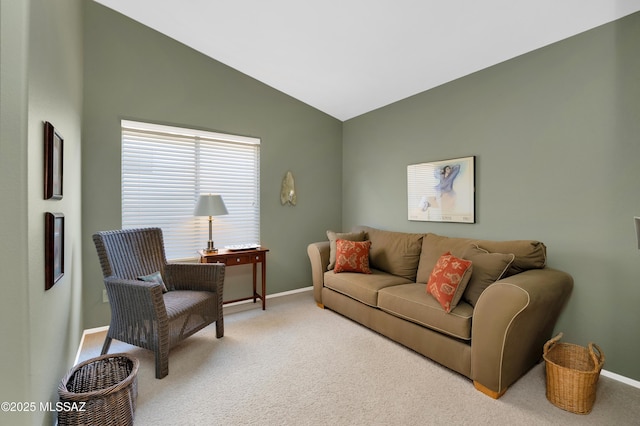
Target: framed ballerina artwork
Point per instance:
(442, 191)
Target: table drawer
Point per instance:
(212, 259)
(239, 259)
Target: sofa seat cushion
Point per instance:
(362, 287)
(413, 303)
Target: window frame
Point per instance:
(201, 162)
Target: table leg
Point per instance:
(254, 282)
(264, 284)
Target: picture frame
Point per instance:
(54, 248)
(53, 162)
(442, 191)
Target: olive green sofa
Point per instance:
(493, 339)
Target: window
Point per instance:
(165, 169)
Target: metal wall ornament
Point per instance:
(288, 191)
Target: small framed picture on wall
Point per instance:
(53, 248)
(53, 150)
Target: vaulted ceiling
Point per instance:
(348, 57)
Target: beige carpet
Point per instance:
(296, 364)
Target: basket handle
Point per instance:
(598, 360)
(550, 343)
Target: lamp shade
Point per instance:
(210, 205)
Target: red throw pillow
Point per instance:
(352, 256)
(448, 280)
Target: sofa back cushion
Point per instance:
(434, 246)
(397, 253)
(335, 236)
(529, 254)
(487, 269)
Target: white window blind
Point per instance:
(165, 169)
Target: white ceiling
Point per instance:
(348, 57)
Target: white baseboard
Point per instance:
(84, 334)
(619, 378)
(273, 296)
(286, 293)
(244, 304)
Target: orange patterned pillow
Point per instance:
(352, 256)
(448, 280)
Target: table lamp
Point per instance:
(210, 205)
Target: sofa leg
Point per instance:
(491, 393)
(320, 305)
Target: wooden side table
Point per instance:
(242, 257)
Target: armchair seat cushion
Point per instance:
(180, 302)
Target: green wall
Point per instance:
(133, 72)
(41, 80)
(14, 303)
(556, 137)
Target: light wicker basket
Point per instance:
(104, 390)
(572, 374)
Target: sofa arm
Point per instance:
(319, 258)
(512, 321)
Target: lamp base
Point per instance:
(210, 248)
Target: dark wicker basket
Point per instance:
(105, 389)
(572, 374)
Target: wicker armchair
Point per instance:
(141, 313)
